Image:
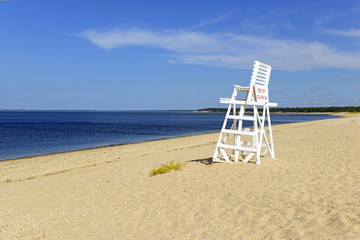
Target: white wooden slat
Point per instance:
(261, 73)
(231, 101)
(239, 132)
(237, 148)
(247, 129)
(265, 151)
(260, 81)
(264, 83)
(264, 78)
(248, 118)
(240, 88)
(266, 72)
(263, 68)
(261, 63)
(272, 151)
(248, 157)
(217, 160)
(260, 78)
(224, 154)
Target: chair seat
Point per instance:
(243, 102)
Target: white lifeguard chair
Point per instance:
(247, 141)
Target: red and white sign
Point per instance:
(261, 94)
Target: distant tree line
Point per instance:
(295, 109)
(318, 109)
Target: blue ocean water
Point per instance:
(24, 134)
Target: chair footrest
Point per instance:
(239, 132)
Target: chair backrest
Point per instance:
(260, 75)
(259, 79)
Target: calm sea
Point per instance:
(24, 134)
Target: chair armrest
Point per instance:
(241, 88)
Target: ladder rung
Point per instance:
(238, 132)
(237, 147)
(249, 118)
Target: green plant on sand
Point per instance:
(167, 167)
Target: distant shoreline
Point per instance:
(326, 110)
(34, 110)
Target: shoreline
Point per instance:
(164, 138)
(310, 191)
(111, 145)
(107, 146)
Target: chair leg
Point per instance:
(256, 137)
(216, 153)
(272, 152)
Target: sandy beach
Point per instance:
(310, 191)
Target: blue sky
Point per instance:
(158, 55)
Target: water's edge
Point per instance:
(151, 140)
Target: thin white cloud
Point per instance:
(345, 33)
(328, 18)
(229, 50)
(220, 18)
(177, 41)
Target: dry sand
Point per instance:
(310, 191)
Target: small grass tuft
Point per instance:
(168, 167)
